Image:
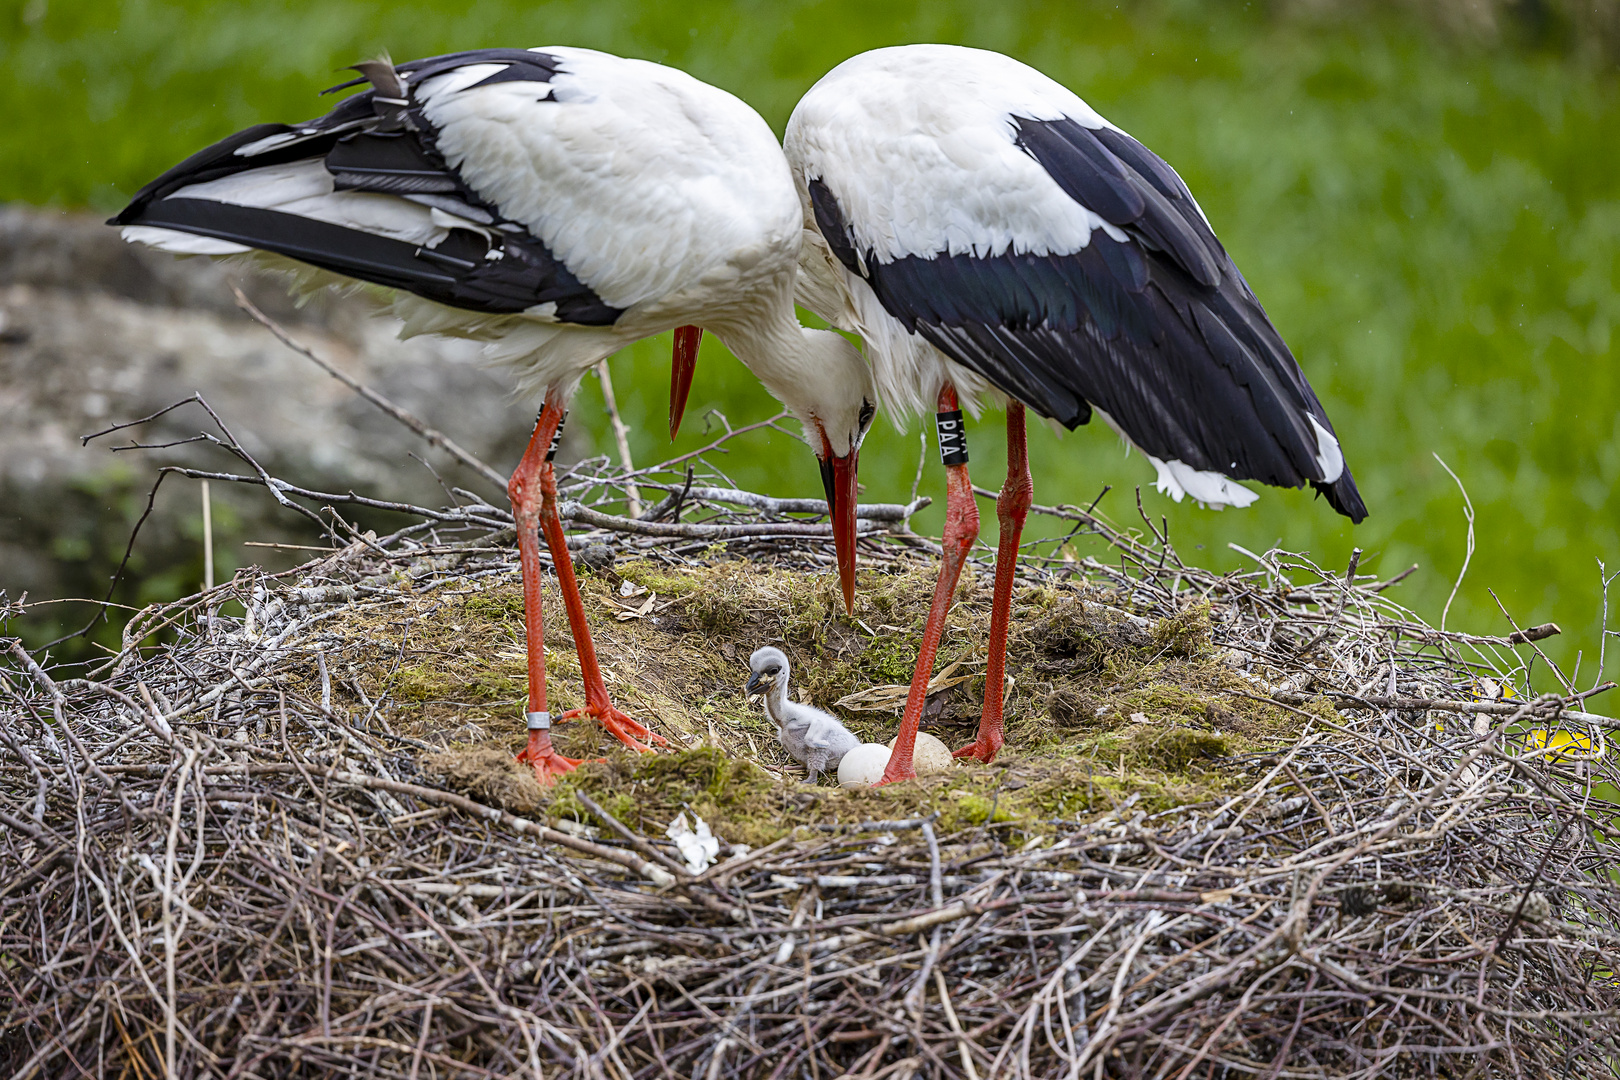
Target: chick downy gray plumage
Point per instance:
(810, 736)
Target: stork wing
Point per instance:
(368, 191)
(1147, 319)
(819, 736)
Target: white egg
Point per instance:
(863, 766)
(929, 756)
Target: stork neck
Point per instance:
(776, 700)
(817, 374)
(772, 346)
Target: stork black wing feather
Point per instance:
(394, 162)
(457, 272)
(1159, 331)
(368, 143)
(211, 163)
(518, 65)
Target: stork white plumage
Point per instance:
(990, 236)
(558, 203)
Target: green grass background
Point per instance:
(1434, 225)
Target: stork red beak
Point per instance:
(687, 340)
(838, 476)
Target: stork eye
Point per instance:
(864, 423)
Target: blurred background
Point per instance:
(1424, 195)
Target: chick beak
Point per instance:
(838, 477)
(683, 364)
(756, 684)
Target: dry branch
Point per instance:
(584, 515)
(433, 436)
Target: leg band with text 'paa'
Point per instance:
(952, 437)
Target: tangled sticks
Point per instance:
(220, 860)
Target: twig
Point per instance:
(922, 459)
(1468, 551)
(621, 436)
(718, 444)
(208, 537)
(765, 504)
(573, 511)
(635, 841)
(657, 875)
(431, 435)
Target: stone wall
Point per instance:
(93, 331)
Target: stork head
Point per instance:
(834, 398)
(766, 668)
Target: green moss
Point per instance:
(1173, 750)
(1166, 701)
(812, 605)
(977, 810)
(1079, 635)
(744, 804)
(645, 792)
(716, 611)
(472, 682)
(496, 605)
(1186, 633)
(656, 577)
(890, 659)
(419, 682)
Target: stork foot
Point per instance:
(893, 775)
(620, 726)
(982, 749)
(547, 763)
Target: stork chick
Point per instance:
(811, 737)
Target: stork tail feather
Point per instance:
(1343, 497)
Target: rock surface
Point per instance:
(94, 331)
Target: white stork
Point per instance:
(815, 739)
(559, 203)
(989, 235)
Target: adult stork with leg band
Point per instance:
(990, 236)
(559, 204)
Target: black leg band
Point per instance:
(556, 438)
(952, 437)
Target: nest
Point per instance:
(239, 848)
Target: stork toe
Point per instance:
(896, 773)
(547, 763)
(620, 726)
(981, 749)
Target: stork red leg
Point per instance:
(961, 529)
(1012, 506)
(524, 488)
(597, 705)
